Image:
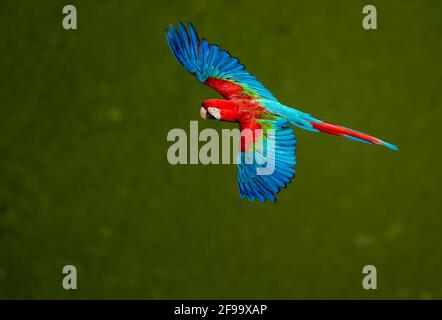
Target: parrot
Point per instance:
(247, 102)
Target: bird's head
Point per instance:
(201, 76)
(224, 110)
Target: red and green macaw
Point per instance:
(247, 102)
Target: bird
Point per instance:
(246, 101)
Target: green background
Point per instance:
(84, 177)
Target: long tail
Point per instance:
(307, 122)
(336, 130)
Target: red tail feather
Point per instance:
(336, 130)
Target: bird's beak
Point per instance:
(203, 113)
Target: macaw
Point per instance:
(247, 102)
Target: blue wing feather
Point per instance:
(265, 187)
(211, 61)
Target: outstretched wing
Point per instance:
(213, 66)
(265, 166)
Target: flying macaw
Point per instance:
(247, 102)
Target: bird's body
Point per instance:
(247, 102)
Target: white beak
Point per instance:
(203, 113)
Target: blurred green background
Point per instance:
(84, 178)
